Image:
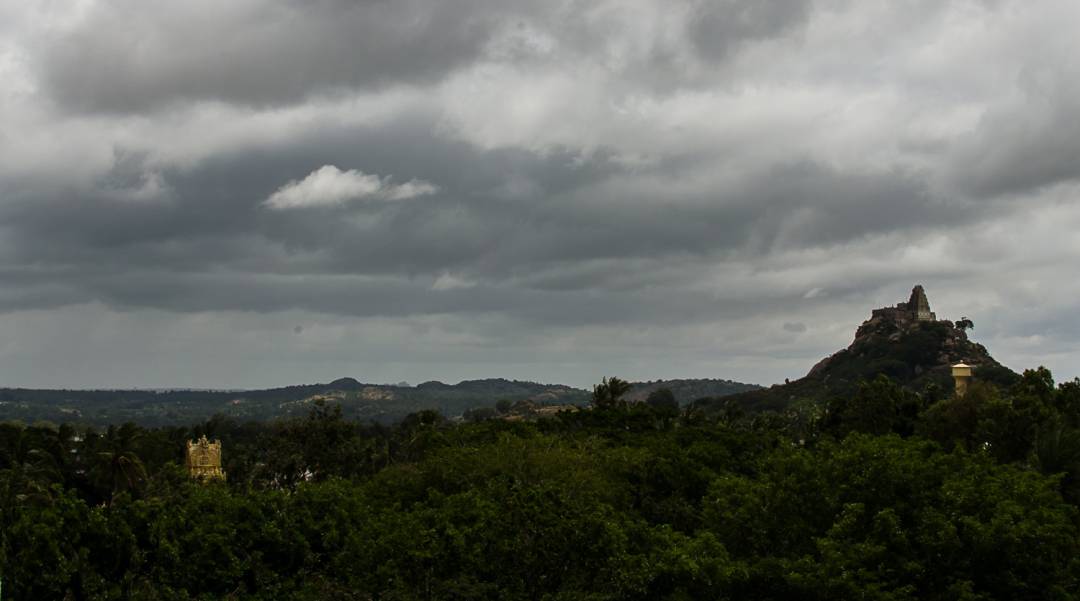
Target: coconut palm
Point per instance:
(1057, 451)
(117, 466)
(28, 471)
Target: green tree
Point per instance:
(609, 392)
(117, 467)
(1008, 424)
(878, 407)
(662, 398)
(1067, 402)
(956, 419)
(27, 469)
(1057, 451)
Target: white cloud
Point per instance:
(409, 189)
(329, 186)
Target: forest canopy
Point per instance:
(883, 494)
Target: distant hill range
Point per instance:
(376, 402)
(379, 402)
(686, 391)
(906, 342)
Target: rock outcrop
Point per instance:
(909, 333)
(905, 342)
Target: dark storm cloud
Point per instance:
(747, 174)
(1025, 143)
(361, 296)
(127, 55)
(570, 233)
(214, 214)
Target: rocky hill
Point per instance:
(906, 342)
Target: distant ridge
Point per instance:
(905, 342)
(379, 402)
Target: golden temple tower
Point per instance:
(203, 459)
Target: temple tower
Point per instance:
(919, 306)
(203, 459)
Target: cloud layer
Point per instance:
(555, 191)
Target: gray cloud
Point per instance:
(796, 327)
(579, 214)
(1027, 142)
(128, 56)
(718, 27)
(124, 56)
(631, 187)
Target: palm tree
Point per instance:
(1057, 450)
(26, 477)
(117, 467)
(29, 471)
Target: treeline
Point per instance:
(369, 402)
(881, 495)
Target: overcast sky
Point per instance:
(253, 193)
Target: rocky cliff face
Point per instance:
(906, 342)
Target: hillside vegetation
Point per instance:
(884, 494)
(374, 402)
(918, 354)
(377, 402)
(688, 390)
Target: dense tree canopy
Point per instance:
(884, 495)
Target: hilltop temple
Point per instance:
(203, 459)
(917, 308)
